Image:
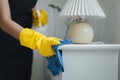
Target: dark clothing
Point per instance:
(16, 60)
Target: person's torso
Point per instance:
(21, 12)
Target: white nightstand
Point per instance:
(90, 61)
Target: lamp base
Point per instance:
(81, 33)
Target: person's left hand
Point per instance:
(39, 17)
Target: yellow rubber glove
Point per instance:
(40, 18)
(34, 40)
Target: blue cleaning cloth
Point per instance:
(55, 63)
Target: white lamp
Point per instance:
(82, 32)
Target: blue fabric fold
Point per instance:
(55, 63)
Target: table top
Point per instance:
(90, 47)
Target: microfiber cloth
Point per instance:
(55, 63)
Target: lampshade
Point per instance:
(82, 8)
(82, 32)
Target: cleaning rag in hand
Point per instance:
(55, 63)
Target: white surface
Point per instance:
(90, 61)
(90, 47)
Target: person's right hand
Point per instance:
(34, 40)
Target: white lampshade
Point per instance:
(82, 8)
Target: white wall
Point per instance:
(112, 27)
(38, 68)
(106, 30)
(53, 28)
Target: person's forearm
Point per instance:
(6, 22)
(11, 27)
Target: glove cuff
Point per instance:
(27, 38)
